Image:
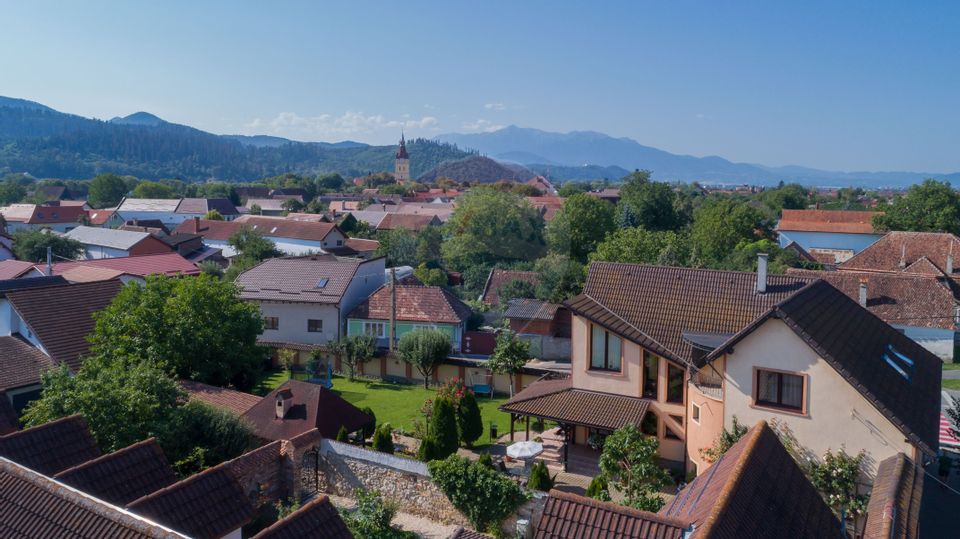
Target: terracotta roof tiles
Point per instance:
(499, 278)
(165, 264)
(894, 508)
(124, 475)
(313, 407)
(837, 221)
(299, 279)
(317, 519)
(21, 363)
(9, 422)
(560, 401)
(567, 515)
(52, 447)
(887, 253)
(414, 304)
(237, 402)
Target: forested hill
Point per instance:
(50, 144)
(477, 169)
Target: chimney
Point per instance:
(950, 260)
(903, 256)
(762, 273)
(49, 261)
(284, 398)
(393, 306)
(863, 293)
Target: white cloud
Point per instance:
(330, 127)
(494, 106)
(485, 126)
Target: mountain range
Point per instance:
(46, 143)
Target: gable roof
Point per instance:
(297, 279)
(11, 269)
(101, 216)
(531, 309)
(107, 237)
(37, 507)
(34, 214)
(654, 305)
(163, 263)
(203, 205)
(318, 519)
(124, 475)
(409, 221)
(209, 229)
(21, 363)
(863, 349)
(414, 304)
(278, 227)
(52, 447)
(313, 407)
(886, 253)
(209, 504)
(61, 317)
(560, 401)
(501, 277)
(755, 489)
(894, 508)
(567, 515)
(148, 204)
(237, 402)
(835, 221)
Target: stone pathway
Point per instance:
(423, 527)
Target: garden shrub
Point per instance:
(444, 428)
(343, 435)
(383, 439)
(469, 422)
(485, 496)
(371, 427)
(598, 489)
(540, 477)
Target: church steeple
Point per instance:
(402, 150)
(401, 167)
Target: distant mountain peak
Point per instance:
(17, 103)
(139, 118)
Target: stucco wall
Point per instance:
(626, 382)
(366, 280)
(293, 322)
(829, 240)
(837, 414)
(702, 433)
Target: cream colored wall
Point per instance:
(626, 382)
(837, 414)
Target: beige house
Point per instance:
(681, 351)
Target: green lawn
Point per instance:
(951, 384)
(951, 366)
(397, 404)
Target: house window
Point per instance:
(271, 322)
(674, 384)
(315, 326)
(605, 350)
(649, 424)
(339, 243)
(374, 329)
(651, 372)
(423, 326)
(695, 414)
(779, 389)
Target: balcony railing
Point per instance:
(709, 382)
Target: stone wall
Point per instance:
(260, 473)
(344, 468)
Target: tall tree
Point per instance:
(931, 206)
(582, 223)
(425, 350)
(641, 246)
(629, 462)
(147, 189)
(399, 246)
(31, 246)
(558, 278)
(509, 356)
(720, 225)
(354, 351)
(654, 204)
(106, 190)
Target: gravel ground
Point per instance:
(427, 529)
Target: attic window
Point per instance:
(322, 283)
(899, 362)
(272, 230)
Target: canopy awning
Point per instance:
(557, 400)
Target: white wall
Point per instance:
(13, 226)
(368, 278)
(937, 340)
(166, 217)
(93, 252)
(293, 322)
(837, 414)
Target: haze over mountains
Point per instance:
(44, 142)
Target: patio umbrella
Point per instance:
(524, 450)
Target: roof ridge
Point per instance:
(45, 426)
(617, 508)
(514, 399)
(152, 442)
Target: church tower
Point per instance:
(401, 167)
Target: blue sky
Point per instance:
(839, 85)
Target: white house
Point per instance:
(173, 211)
(110, 243)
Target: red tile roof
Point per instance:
(61, 317)
(754, 490)
(894, 507)
(318, 519)
(52, 447)
(567, 515)
(124, 475)
(237, 402)
(414, 304)
(287, 228)
(887, 253)
(362, 245)
(166, 264)
(33, 214)
(499, 278)
(314, 407)
(100, 217)
(11, 269)
(21, 363)
(211, 230)
(559, 401)
(838, 221)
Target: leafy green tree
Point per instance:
(429, 242)
(720, 225)
(147, 189)
(791, 196)
(31, 245)
(399, 246)
(123, 402)
(653, 203)
(444, 427)
(383, 439)
(558, 278)
(353, 351)
(197, 328)
(629, 462)
(220, 433)
(255, 209)
(744, 257)
(569, 189)
(424, 350)
(292, 205)
(582, 223)
(370, 428)
(509, 356)
(372, 518)
(598, 489)
(469, 420)
(931, 206)
(724, 441)
(106, 190)
(252, 245)
(483, 495)
(11, 192)
(491, 226)
(330, 181)
(211, 268)
(213, 215)
(641, 246)
(430, 276)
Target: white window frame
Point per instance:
(380, 327)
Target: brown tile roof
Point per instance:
(211, 230)
(414, 304)
(40, 215)
(21, 363)
(11, 269)
(288, 228)
(237, 402)
(209, 504)
(61, 317)
(124, 475)
(886, 253)
(361, 245)
(567, 515)
(409, 221)
(559, 401)
(754, 490)
(203, 205)
(864, 349)
(906, 300)
(100, 217)
(894, 508)
(318, 519)
(313, 407)
(653, 305)
(296, 279)
(531, 309)
(838, 221)
(36, 507)
(9, 422)
(499, 278)
(52, 447)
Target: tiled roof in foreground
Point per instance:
(21, 363)
(237, 402)
(124, 475)
(559, 401)
(894, 508)
(318, 519)
(567, 515)
(52, 447)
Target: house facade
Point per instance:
(56, 217)
(173, 211)
(292, 237)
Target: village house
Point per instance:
(173, 211)
(305, 300)
(296, 407)
(53, 215)
(290, 237)
(266, 207)
(546, 326)
(111, 243)
(126, 269)
(833, 236)
(499, 278)
(681, 351)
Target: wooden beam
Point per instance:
(512, 417)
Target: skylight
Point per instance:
(899, 362)
(322, 283)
